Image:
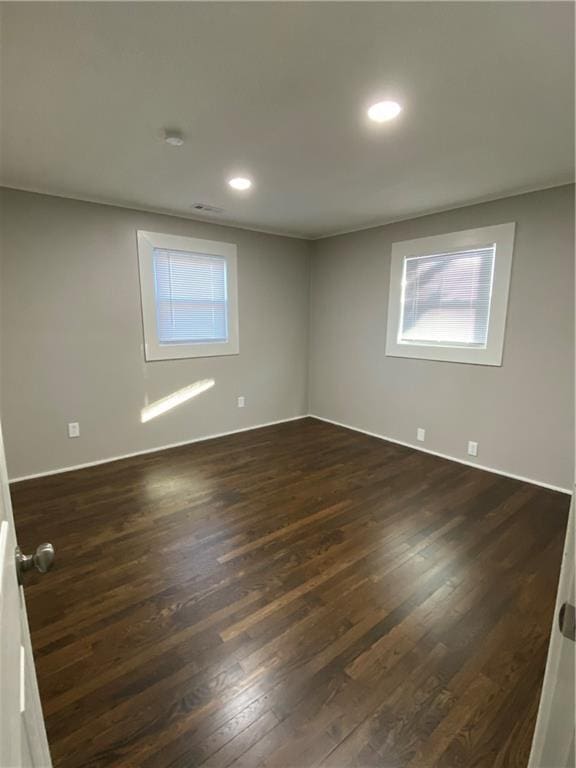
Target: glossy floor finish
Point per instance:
(295, 596)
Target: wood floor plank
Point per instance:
(296, 596)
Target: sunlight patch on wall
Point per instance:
(158, 407)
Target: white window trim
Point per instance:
(502, 235)
(153, 350)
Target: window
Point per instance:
(449, 294)
(189, 296)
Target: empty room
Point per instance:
(287, 384)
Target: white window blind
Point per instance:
(446, 298)
(191, 297)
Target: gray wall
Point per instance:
(71, 335)
(521, 413)
(71, 339)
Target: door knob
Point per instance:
(42, 560)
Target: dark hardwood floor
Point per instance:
(295, 596)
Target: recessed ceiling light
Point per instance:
(240, 183)
(174, 138)
(384, 110)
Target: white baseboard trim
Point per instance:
(153, 450)
(444, 455)
(285, 421)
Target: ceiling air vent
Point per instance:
(206, 208)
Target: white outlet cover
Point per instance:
(420, 434)
(472, 448)
(73, 429)
(241, 402)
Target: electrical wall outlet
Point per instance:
(241, 401)
(420, 434)
(472, 448)
(73, 429)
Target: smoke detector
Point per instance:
(173, 138)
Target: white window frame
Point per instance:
(500, 235)
(153, 349)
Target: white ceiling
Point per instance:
(279, 91)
